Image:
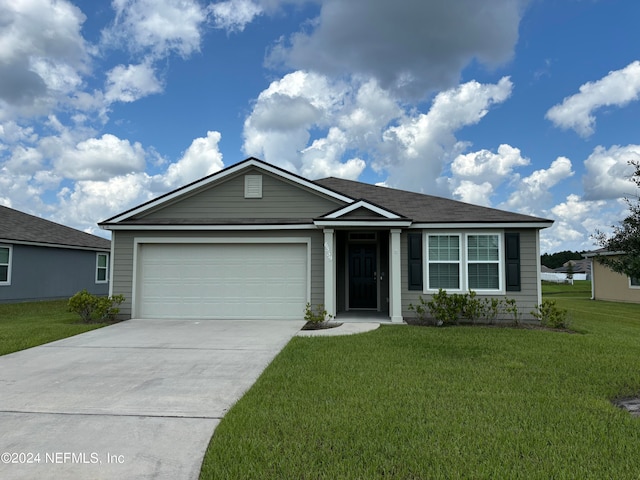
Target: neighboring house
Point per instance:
(41, 260)
(256, 241)
(581, 270)
(609, 285)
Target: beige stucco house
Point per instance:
(609, 285)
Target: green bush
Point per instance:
(318, 316)
(92, 307)
(550, 315)
(449, 309)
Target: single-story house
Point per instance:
(40, 259)
(609, 285)
(256, 241)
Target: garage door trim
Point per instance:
(138, 242)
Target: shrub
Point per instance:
(511, 307)
(92, 307)
(421, 309)
(445, 309)
(319, 316)
(550, 315)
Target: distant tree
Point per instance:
(625, 238)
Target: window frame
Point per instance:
(633, 285)
(463, 263)
(9, 263)
(99, 268)
(428, 261)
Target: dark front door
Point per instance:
(363, 289)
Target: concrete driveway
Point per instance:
(139, 399)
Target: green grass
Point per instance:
(25, 325)
(454, 402)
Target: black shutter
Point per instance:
(415, 261)
(512, 254)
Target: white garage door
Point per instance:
(222, 281)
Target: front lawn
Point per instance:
(452, 402)
(25, 325)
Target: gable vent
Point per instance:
(253, 186)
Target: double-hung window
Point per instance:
(443, 262)
(5, 265)
(460, 262)
(483, 262)
(102, 268)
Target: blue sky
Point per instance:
(530, 106)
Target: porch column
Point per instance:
(395, 284)
(329, 272)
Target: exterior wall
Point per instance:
(39, 273)
(611, 286)
(123, 245)
(280, 199)
(527, 298)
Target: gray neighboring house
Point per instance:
(255, 241)
(42, 260)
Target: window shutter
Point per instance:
(415, 261)
(512, 253)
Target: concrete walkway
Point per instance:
(139, 399)
(347, 328)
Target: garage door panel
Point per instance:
(222, 281)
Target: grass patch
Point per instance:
(461, 402)
(579, 289)
(25, 325)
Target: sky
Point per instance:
(530, 106)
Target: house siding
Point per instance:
(526, 299)
(41, 273)
(123, 242)
(225, 200)
(611, 286)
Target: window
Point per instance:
(465, 262)
(102, 268)
(634, 282)
(483, 262)
(443, 262)
(5, 265)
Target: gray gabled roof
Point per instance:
(20, 227)
(423, 208)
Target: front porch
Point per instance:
(362, 274)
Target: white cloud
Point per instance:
(100, 159)
(415, 152)
(234, 15)
(608, 172)
(532, 191)
(201, 158)
(323, 158)
(474, 192)
(278, 128)
(88, 202)
(486, 165)
(618, 88)
(42, 54)
(130, 83)
(411, 47)
(576, 220)
(157, 26)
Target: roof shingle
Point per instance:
(423, 208)
(18, 227)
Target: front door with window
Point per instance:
(363, 276)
